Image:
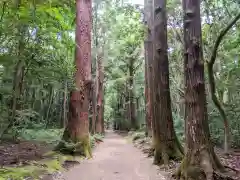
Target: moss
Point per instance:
(199, 164)
(138, 135)
(75, 146)
(19, 173)
(53, 162)
(62, 157)
(53, 165)
(163, 153)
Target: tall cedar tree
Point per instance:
(148, 60)
(200, 161)
(166, 143)
(77, 130)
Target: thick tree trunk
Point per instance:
(100, 94)
(77, 130)
(166, 143)
(200, 161)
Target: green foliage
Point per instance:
(39, 36)
(51, 136)
(36, 61)
(178, 125)
(94, 138)
(138, 135)
(125, 42)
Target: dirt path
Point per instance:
(115, 159)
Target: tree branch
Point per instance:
(220, 37)
(212, 80)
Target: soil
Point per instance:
(231, 161)
(115, 159)
(19, 153)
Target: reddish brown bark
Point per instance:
(77, 129)
(100, 94)
(200, 161)
(165, 140)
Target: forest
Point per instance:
(80, 78)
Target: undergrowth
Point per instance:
(50, 162)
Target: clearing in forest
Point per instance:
(115, 159)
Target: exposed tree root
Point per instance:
(201, 164)
(76, 146)
(163, 153)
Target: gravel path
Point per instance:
(115, 159)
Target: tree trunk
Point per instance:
(94, 108)
(200, 161)
(127, 104)
(77, 130)
(50, 102)
(103, 122)
(19, 72)
(166, 143)
(132, 108)
(100, 94)
(17, 88)
(148, 58)
(148, 116)
(64, 120)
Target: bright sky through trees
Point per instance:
(137, 1)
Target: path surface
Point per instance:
(115, 159)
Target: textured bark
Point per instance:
(100, 94)
(200, 161)
(166, 143)
(148, 58)
(77, 130)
